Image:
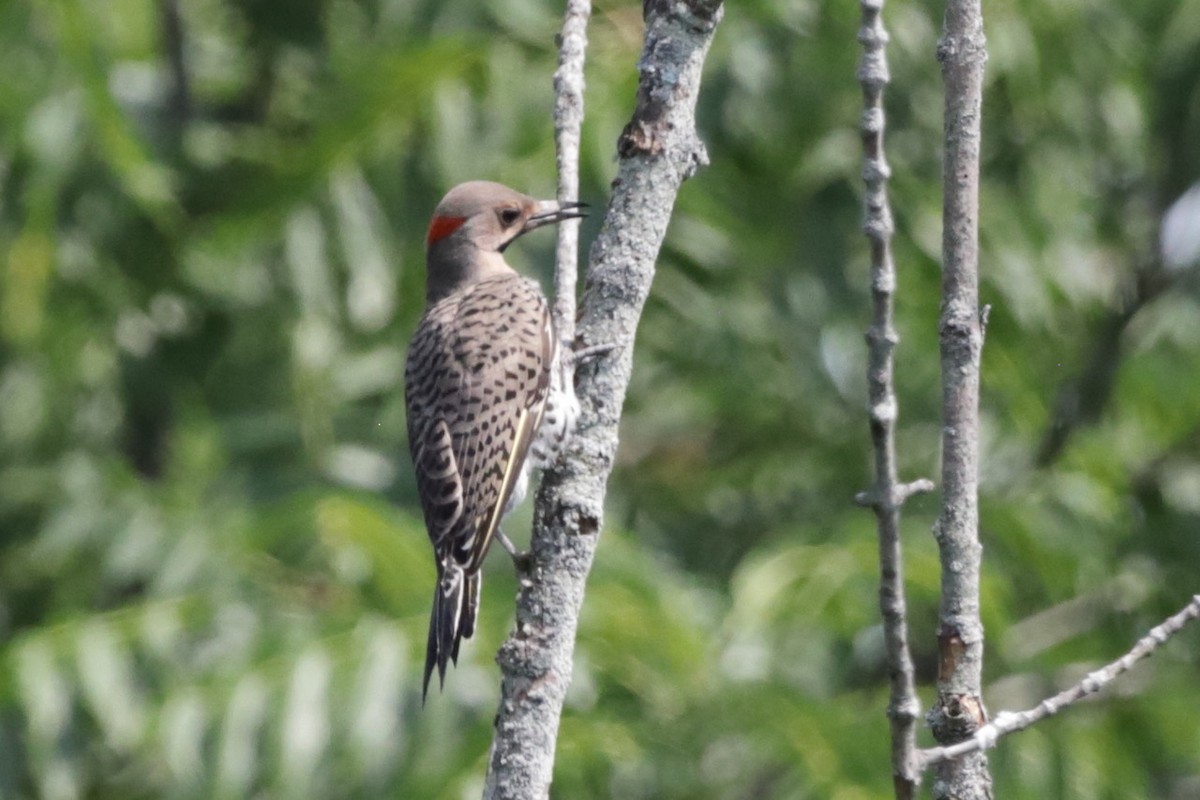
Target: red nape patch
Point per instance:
(441, 227)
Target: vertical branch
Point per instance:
(959, 710)
(659, 149)
(568, 124)
(887, 495)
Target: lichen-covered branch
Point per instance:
(1010, 722)
(887, 495)
(658, 149)
(959, 711)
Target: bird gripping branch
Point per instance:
(489, 393)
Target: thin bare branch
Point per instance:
(888, 494)
(1011, 722)
(901, 494)
(959, 711)
(568, 126)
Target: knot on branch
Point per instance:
(873, 71)
(648, 132)
(961, 337)
(878, 227)
(525, 653)
(882, 336)
(872, 37)
(959, 325)
(955, 717)
(885, 411)
(588, 525)
(642, 137)
(875, 170)
(872, 122)
(873, 75)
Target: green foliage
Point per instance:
(214, 581)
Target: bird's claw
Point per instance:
(586, 354)
(526, 567)
(522, 559)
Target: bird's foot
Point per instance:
(522, 559)
(586, 354)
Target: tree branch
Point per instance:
(568, 124)
(658, 150)
(959, 711)
(1010, 722)
(887, 495)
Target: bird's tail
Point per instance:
(455, 606)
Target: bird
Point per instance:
(489, 393)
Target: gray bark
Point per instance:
(568, 129)
(659, 149)
(959, 711)
(887, 495)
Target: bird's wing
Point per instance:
(478, 376)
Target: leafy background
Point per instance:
(213, 576)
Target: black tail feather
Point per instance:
(471, 605)
(431, 646)
(455, 605)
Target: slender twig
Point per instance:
(1013, 721)
(658, 150)
(568, 127)
(959, 711)
(888, 494)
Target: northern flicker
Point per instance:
(489, 392)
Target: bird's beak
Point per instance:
(549, 212)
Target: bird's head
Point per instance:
(472, 226)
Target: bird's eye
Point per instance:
(509, 215)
